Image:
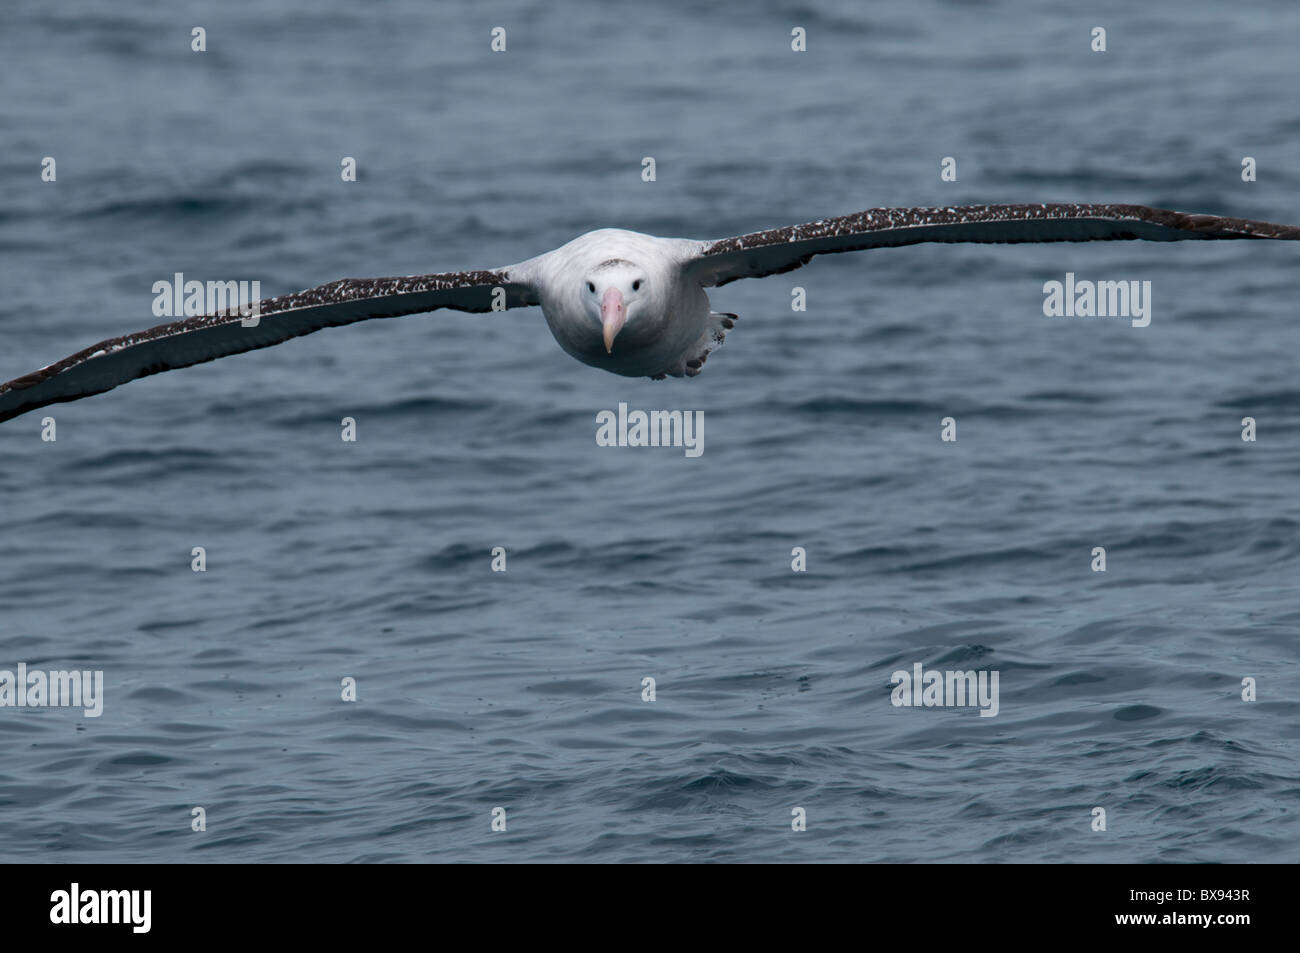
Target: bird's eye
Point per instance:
(591, 287)
(636, 285)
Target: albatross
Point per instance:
(622, 301)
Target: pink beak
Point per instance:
(613, 312)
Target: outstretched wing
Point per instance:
(784, 249)
(167, 347)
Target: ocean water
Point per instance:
(522, 690)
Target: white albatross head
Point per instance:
(613, 293)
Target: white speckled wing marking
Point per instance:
(778, 250)
(189, 341)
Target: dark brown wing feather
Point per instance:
(779, 250)
(195, 340)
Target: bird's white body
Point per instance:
(667, 315)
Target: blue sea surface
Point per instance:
(328, 560)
